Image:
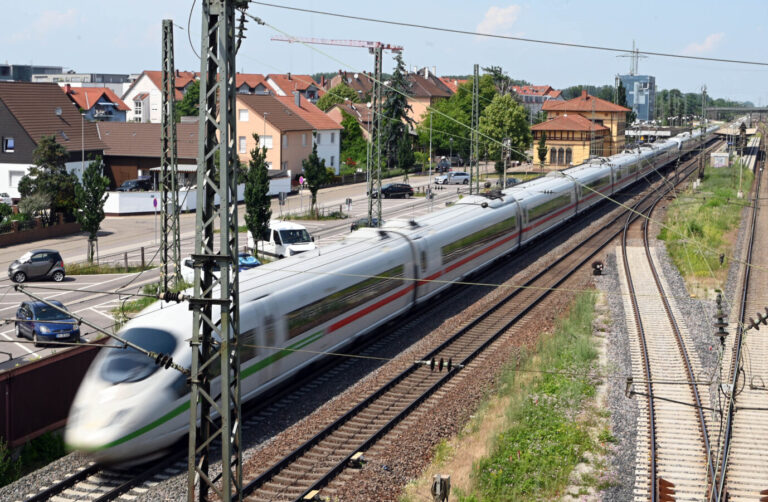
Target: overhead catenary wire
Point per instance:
(507, 37)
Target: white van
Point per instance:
(285, 239)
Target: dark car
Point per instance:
(510, 182)
(37, 264)
(391, 190)
(456, 161)
(143, 183)
(40, 322)
(363, 222)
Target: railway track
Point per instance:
(305, 471)
(673, 454)
(745, 439)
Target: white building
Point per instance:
(327, 131)
(144, 96)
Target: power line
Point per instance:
(507, 37)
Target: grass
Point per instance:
(94, 268)
(701, 223)
(120, 314)
(316, 215)
(36, 453)
(548, 432)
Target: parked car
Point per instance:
(453, 178)
(245, 261)
(6, 199)
(391, 190)
(510, 182)
(37, 264)
(285, 238)
(31, 322)
(363, 222)
(456, 161)
(143, 183)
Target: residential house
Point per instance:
(97, 103)
(534, 96)
(284, 85)
(426, 89)
(453, 83)
(144, 96)
(252, 83)
(326, 131)
(361, 83)
(359, 111)
(596, 110)
(132, 149)
(571, 139)
(285, 134)
(27, 113)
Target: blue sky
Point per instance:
(124, 37)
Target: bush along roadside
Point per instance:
(552, 422)
(701, 224)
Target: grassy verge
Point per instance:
(544, 422)
(93, 269)
(701, 225)
(322, 215)
(39, 452)
(121, 313)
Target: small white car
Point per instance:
(453, 178)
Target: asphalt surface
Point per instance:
(93, 296)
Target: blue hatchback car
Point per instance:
(42, 323)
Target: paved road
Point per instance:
(129, 233)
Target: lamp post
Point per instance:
(82, 145)
(450, 155)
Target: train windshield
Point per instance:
(130, 365)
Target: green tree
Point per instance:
(90, 197)
(542, 149)
(315, 174)
(353, 144)
(395, 139)
(505, 118)
(49, 176)
(335, 95)
(189, 105)
(258, 207)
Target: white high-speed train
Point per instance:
(128, 407)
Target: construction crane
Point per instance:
(377, 49)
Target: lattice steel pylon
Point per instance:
(170, 245)
(474, 162)
(215, 379)
(376, 133)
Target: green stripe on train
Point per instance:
(185, 406)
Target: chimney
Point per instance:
(68, 89)
(434, 71)
(289, 75)
(426, 72)
(584, 93)
(297, 98)
(322, 81)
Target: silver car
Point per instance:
(453, 178)
(37, 264)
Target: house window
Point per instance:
(333, 137)
(241, 144)
(304, 139)
(553, 156)
(265, 141)
(285, 165)
(561, 156)
(242, 115)
(568, 156)
(319, 135)
(333, 161)
(9, 145)
(15, 178)
(137, 108)
(285, 141)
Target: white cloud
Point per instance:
(707, 45)
(499, 20)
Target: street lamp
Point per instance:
(82, 144)
(450, 155)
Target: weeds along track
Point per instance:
(745, 440)
(307, 469)
(673, 455)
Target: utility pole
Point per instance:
(170, 245)
(474, 165)
(215, 338)
(376, 145)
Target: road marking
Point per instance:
(9, 338)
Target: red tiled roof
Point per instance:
(365, 112)
(87, 97)
(44, 110)
(569, 123)
(536, 90)
(431, 87)
(251, 80)
(136, 139)
(583, 103)
(181, 80)
(361, 83)
(289, 83)
(453, 83)
(279, 115)
(309, 112)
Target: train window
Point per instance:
(130, 365)
(321, 311)
(548, 207)
(470, 243)
(248, 344)
(598, 183)
(423, 261)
